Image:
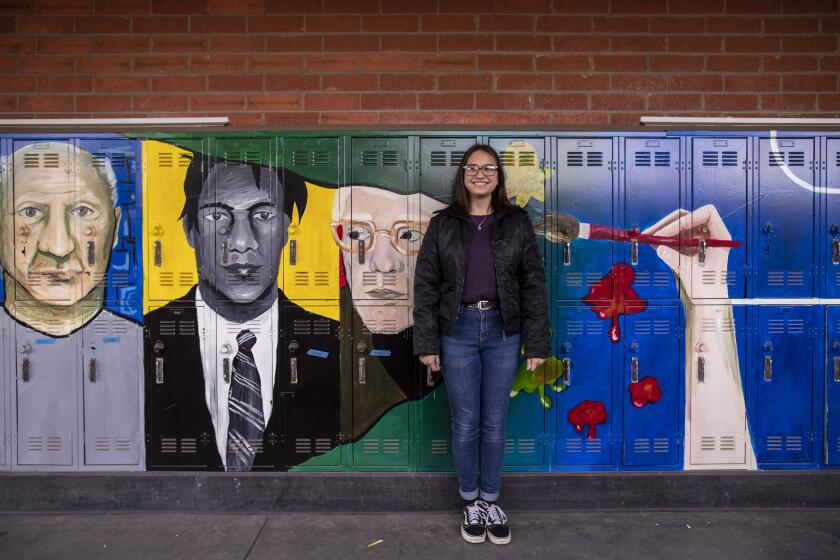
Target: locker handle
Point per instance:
(430, 377)
(24, 370)
(159, 371)
(837, 369)
(91, 253)
(293, 252)
(768, 368)
(567, 253)
(225, 252)
(701, 369)
(567, 371)
(293, 371)
(226, 369)
(158, 255)
(634, 370)
(835, 251)
(701, 258)
(361, 251)
(362, 372)
(92, 369)
(634, 252)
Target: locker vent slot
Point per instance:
(526, 446)
(594, 159)
(109, 327)
(786, 326)
(386, 326)
(390, 446)
(321, 326)
(509, 446)
(656, 279)
(250, 279)
(837, 159)
(314, 158)
(169, 445)
(508, 158)
(237, 158)
(301, 327)
(105, 443)
(641, 446)
(438, 159)
(713, 443)
(593, 445)
(660, 445)
(322, 445)
(655, 326)
(837, 278)
(718, 325)
(662, 159)
(166, 279)
(257, 444)
(784, 443)
(168, 159)
(642, 159)
(576, 328)
(838, 444)
(785, 278)
(385, 158)
(372, 278)
(370, 446)
(777, 159)
(41, 444)
(574, 159)
(441, 447)
(167, 328)
(574, 445)
(707, 443)
(31, 160)
(527, 158)
(50, 161)
(235, 328)
(301, 278)
(727, 443)
(322, 279)
(186, 328)
(726, 278)
(456, 157)
(796, 159)
(730, 159)
(710, 159)
(303, 446)
(119, 279)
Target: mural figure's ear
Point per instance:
(117, 216)
(190, 232)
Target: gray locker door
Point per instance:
(785, 218)
(47, 398)
(439, 159)
(831, 237)
(111, 390)
(7, 355)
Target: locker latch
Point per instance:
(226, 369)
(158, 255)
(701, 258)
(430, 377)
(361, 348)
(91, 253)
(567, 371)
(634, 251)
(567, 253)
(768, 368)
(24, 370)
(701, 369)
(361, 251)
(293, 252)
(225, 252)
(634, 370)
(92, 369)
(837, 369)
(835, 251)
(157, 348)
(293, 363)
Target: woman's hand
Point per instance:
(534, 363)
(431, 360)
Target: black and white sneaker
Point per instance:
(473, 528)
(496, 524)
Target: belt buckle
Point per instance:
(483, 305)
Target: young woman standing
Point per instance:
(480, 295)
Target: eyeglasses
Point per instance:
(488, 170)
(405, 235)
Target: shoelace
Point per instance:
(495, 516)
(475, 514)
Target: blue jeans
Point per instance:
(479, 364)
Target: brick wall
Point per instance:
(483, 62)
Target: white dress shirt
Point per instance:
(216, 331)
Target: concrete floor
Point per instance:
(626, 535)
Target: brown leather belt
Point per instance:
(483, 305)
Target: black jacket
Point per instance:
(520, 280)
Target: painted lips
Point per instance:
(384, 293)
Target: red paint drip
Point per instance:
(645, 391)
(589, 413)
(342, 277)
(612, 296)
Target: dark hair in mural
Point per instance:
(294, 186)
(462, 195)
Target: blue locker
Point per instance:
(784, 218)
(651, 192)
(718, 177)
(586, 354)
(782, 372)
(583, 188)
(832, 387)
(830, 239)
(651, 375)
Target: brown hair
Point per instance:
(499, 198)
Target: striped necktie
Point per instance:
(245, 406)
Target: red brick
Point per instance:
(404, 63)
(637, 82)
(448, 63)
(774, 102)
(694, 7)
(274, 102)
(790, 63)
(621, 24)
(563, 63)
(408, 82)
(124, 7)
(351, 82)
(683, 43)
(15, 7)
(678, 24)
(390, 24)
(751, 83)
(580, 43)
(827, 64)
(348, 118)
(40, 24)
(388, 101)
(333, 24)
(121, 44)
(351, 43)
(523, 82)
(524, 7)
(514, 62)
(700, 82)
(513, 43)
(239, 7)
(160, 103)
(293, 43)
(448, 23)
(160, 63)
(465, 82)
(733, 24)
(617, 101)
(504, 101)
(413, 7)
(217, 24)
(100, 24)
(39, 64)
(409, 43)
(104, 64)
(276, 24)
(64, 44)
(561, 101)
(407, 118)
(580, 118)
(296, 118)
(619, 62)
(521, 118)
(241, 83)
(731, 102)
(332, 63)
(558, 24)
(247, 119)
(810, 7)
(814, 43)
(179, 83)
(623, 119)
(9, 106)
(447, 101)
(217, 63)
(15, 84)
(7, 25)
(65, 84)
(578, 7)
(468, 7)
(733, 63)
(9, 64)
(810, 82)
(830, 24)
(158, 24)
(46, 104)
(751, 44)
(459, 118)
(675, 63)
(179, 6)
(675, 102)
(181, 44)
(581, 82)
(754, 7)
(829, 102)
(640, 7)
(274, 63)
(510, 23)
(64, 7)
(293, 6)
(473, 42)
(217, 102)
(237, 43)
(351, 6)
(292, 82)
(787, 24)
(102, 103)
(638, 43)
(331, 101)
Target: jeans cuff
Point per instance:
(487, 497)
(468, 495)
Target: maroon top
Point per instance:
(480, 278)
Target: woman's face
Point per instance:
(483, 183)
